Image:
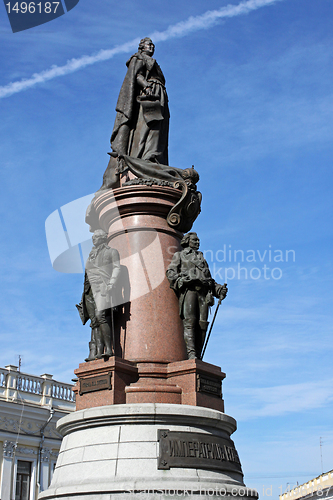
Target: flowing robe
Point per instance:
(133, 134)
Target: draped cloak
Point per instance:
(145, 140)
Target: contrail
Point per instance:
(178, 30)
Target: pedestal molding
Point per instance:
(156, 228)
(147, 413)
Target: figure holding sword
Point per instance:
(190, 278)
(101, 274)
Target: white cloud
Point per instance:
(283, 399)
(180, 29)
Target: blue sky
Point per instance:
(251, 107)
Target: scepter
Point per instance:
(211, 326)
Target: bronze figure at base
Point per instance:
(190, 278)
(101, 273)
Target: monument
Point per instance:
(149, 414)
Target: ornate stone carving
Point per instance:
(184, 213)
(45, 454)
(26, 451)
(9, 449)
(27, 427)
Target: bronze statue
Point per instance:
(101, 273)
(189, 276)
(141, 127)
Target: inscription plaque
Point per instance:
(212, 386)
(195, 450)
(96, 383)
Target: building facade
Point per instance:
(321, 487)
(30, 407)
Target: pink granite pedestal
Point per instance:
(151, 364)
(117, 381)
(135, 219)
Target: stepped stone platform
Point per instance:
(155, 450)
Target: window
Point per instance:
(53, 466)
(23, 478)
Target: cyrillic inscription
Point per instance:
(196, 450)
(96, 383)
(209, 385)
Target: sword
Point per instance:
(211, 327)
(112, 328)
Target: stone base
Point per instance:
(125, 451)
(103, 382)
(117, 381)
